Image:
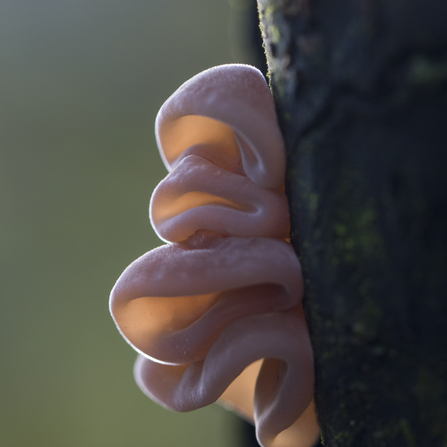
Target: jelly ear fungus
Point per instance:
(215, 314)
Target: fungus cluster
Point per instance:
(216, 312)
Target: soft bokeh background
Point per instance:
(80, 84)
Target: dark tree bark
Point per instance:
(361, 92)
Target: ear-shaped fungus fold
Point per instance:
(217, 104)
(216, 313)
(197, 194)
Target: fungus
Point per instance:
(216, 314)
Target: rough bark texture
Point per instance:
(361, 91)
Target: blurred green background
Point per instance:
(80, 85)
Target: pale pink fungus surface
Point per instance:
(216, 313)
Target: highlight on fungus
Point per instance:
(216, 314)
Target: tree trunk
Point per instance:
(361, 92)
